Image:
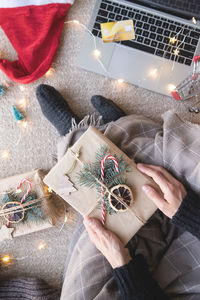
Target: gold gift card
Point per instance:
(117, 31)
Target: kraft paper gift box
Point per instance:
(86, 200)
(50, 210)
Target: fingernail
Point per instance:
(146, 188)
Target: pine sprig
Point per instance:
(34, 214)
(86, 177)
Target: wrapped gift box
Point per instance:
(50, 210)
(86, 200)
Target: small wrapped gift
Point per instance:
(26, 205)
(107, 184)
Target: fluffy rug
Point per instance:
(35, 146)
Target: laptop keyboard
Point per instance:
(152, 32)
(192, 6)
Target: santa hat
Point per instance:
(33, 28)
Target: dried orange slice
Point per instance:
(124, 193)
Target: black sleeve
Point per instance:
(188, 214)
(135, 281)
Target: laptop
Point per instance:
(149, 61)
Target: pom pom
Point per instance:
(18, 116)
(2, 90)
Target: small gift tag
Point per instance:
(66, 186)
(117, 31)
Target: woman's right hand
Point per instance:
(173, 191)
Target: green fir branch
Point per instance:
(34, 214)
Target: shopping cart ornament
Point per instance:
(190, 86)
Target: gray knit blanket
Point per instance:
(23, 288)
(172, 254)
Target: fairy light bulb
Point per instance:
(23, 123)
(172, 40)
(76, 22)
(176, 52)
(153, 73)
(22, 88)
(66, 218)
(42, 246)
(171, 87)
(22, 102)
(50, 190)
(194, 20)
(5, 154)
(49, 72)
(96, 53)
(5, 259)
(120, 80)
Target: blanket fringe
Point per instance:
(89, 120)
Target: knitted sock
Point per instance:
(55, 108)
(107, 109)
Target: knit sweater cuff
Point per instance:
(188, 214)
(135, 281)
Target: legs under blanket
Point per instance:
(173, 255)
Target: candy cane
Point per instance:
(103, 212)
(28, 190)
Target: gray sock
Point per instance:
(55, 108)
(107, 109)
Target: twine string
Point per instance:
(24, 206)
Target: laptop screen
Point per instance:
(181, 8)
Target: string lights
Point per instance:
(173, 40)
(23, 123)
(176, 52)
(22, 88)
(50, 190)
(22, 102)
(6, 259)
(42, 246)
(153, 73)
(5, 154)
(171, 87)
(120, 80)
(96, 53)
(50, 72)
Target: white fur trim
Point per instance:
(21, 3)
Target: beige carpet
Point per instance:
(35, 146)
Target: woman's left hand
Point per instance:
(107, 243)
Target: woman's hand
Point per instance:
(173, 190)
(107, 243)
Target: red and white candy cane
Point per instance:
(27, 181)
(103, 211)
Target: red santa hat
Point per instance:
(33, 28)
